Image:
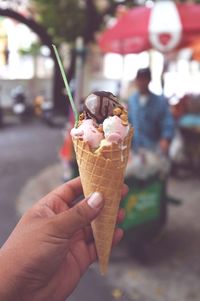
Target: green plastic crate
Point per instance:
(143, 202)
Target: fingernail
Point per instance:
(95, 200)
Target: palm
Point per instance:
(80, 256)
(81, 253)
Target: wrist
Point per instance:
(8, 285)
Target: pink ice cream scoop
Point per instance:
(114, 130)
(88, 132)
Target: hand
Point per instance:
(51, 247)
(164, 145)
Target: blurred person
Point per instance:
(150, 116)
(66, 151)
(52, 246)
(37, 103)
(153, 131)
(66, 154)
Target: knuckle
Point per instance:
(82, 214)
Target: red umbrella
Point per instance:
(165, 27)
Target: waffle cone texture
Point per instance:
(103, 171)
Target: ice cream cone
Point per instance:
(103, 171)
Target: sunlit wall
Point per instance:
(182, 76)
(18, 66)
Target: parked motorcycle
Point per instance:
(20, 107)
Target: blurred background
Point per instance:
(103, 44)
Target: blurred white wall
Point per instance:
(32, 89)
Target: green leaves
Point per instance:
(64, 19)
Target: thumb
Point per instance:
(79, 216)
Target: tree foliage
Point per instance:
(67, 19)
(64, 19)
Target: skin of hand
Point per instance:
(52, 246)
(164, 145)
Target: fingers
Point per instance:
(60, 199)
(117, 236)
(87, 234)
(69, 191)
(121, 215)
(64, 196)
(125, 190)
(69, 222)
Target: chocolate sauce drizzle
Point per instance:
(107, 102)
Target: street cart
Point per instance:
(146, 202)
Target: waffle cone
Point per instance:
(103, 171)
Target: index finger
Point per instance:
(69, 191)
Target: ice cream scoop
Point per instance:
(99, 105)
(114, 130)
(88, 132)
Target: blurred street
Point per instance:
(25, 149)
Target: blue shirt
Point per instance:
(152, 121)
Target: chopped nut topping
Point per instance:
(117, 111)
(125, 122)
(80, 122)
(124, 119)
(81, 116)
(125, 111)
(100, 129)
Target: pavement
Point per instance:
(172, 268)
(30, 168)
(25, 149)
